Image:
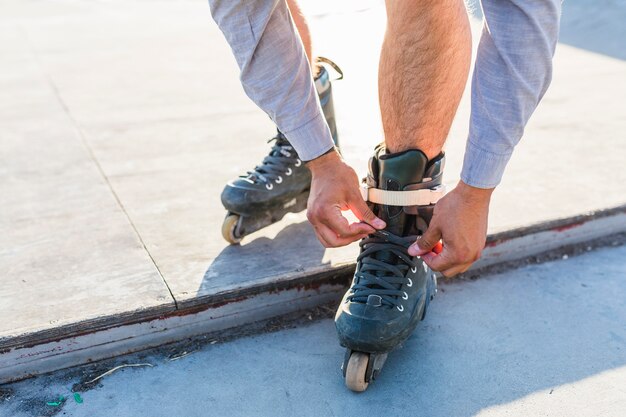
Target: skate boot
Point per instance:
(281, 183)
(391, 290)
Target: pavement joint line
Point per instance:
(83, 138)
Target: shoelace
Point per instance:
(381, 278)
(276, 163)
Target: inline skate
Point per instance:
(391, 290)
(281, 183)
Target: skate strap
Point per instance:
(424, 197)
(332, 64)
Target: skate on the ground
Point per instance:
(281, 183)
(390, 290)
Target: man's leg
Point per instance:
(423, 69)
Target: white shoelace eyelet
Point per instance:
(269, 186)
(400, 307)
(289, 172)
(414, 269)
(298, 162)
(279, 179)
(410, 284)
(405, 296)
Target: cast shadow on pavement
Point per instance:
(528, 332)
(531, 341)
(294, 249)
(594, 25)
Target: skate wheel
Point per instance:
(356, 370)
(228, 229)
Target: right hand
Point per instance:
(335, 188)
(460, 220)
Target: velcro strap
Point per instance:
(424, 197)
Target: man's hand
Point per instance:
(460, 220)
(335, 188)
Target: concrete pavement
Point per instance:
(121, 121)
(546, 339)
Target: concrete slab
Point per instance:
(69, 257)
(168, 136)
(161, 158)
(153, 90)
(542, 340)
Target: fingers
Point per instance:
(334, 219)
(456, 270)
(363, 212)
(334, 230)
(427, 242)
(329, 238)
(440, 262)
(449, 262)
(445, 264)
(360, 228)
(335, 187)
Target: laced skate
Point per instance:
(391, 290)
(281, 183)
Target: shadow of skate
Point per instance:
(294, 249)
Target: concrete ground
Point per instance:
(543, 340)
(120, 121)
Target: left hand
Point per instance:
(460, 221)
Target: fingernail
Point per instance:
(379, 224)
(413, 250)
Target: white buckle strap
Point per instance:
(424, 197)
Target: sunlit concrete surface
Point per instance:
(120, 122)
(544, 340)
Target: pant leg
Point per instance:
(512, 73)
(275, 72)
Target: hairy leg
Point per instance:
(303, 30)
(422, 73)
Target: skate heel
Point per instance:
(237, 226)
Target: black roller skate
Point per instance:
(391, 290)
(281, 184)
